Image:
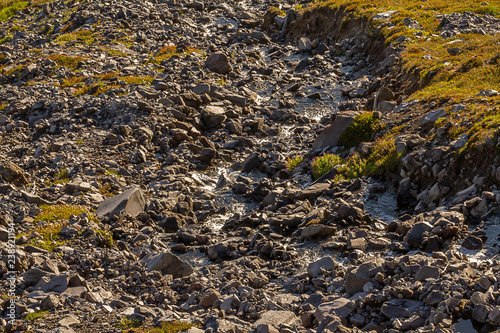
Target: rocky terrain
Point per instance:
(145, 168)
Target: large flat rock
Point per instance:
(167, 263)
(330, 135)
(276, 318)
(131, 201)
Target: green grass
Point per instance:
(169, 51)
(70, 62)
(83, 36)
(60, 177)
(62, 212)
(293, 162)
(135, 326)
(10, 8)
(322, 164)
(108, 237)
(361, 130)
(35, 315)
(277, 11)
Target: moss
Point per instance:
(277, 11)
(168, 52)
(60, 177)
(36, 315)
(83, 36)
(10, 8)
(70, 62)
(134, 326)
(107, 236)
(361, 130)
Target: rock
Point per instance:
(209, 297)
(55, 283)
(415, 234)
(218, 63)
(69, 320)
(427, 121)
(250, 162)
(472, 243)
(324, 264)
(341, 307)
(167, 263)
(359, 276)
(453, 51)
(49, 302)
(386, 106)
(488, 93)
(330, 135)
(310, 192)
(304, 44)
(400, 308)
(213, 116)
(12, 173)
(276, 318)
(131, 202)
(427, 272)
(317, 230)
(383, 94)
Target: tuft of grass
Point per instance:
(108, 238)
(322, 164)
(134, 326)
(73, 81)
(60, 177)
(293, 162)
(277, 11)
(10, 8)
(147, 80)
(83, 36)
(70, 62)
(62, 212)
(168, 52)
(5, 39)
(35, 315)
(17, 69)
(361, 130)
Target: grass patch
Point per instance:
(277, 11)
(293, 162)
(60, 177)
(62, 212)
(5, 39)
(10, 8)
(168, 52)
(322, 164)
(70, 62)
(84, 36)
(35, 315)
(361, 130)
(134, 326)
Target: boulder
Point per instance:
(131, 201)
(383, 94)
(12, 173)
(276, 318)
(341, 307)
(167, 263)
(400, 308)
(330, 135)
(427, 121)
(218, 63)
(322, 265)
(213, 116)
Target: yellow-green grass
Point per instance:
(134, 326)
(60, 177)
(83, 36)
(293, 162)
(9, 8)
(62, 212)
(35, 315)
(70, 62)
(49, 236)
(169, 51)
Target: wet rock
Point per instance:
(131, 202)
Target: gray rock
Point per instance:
(430, 118)
(49, 302)
(400, 308)
(131, 201)
(322, 265)
(341, 307)
(276, 318)
(213, 116)
(218, 63)
(317, 230)
(427, 272)
(415, 234)
(167, 263)
(331, 134)
(304, 44)
(359, 276)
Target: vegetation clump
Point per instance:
(62, 212)
(35, 315)
(322, 164)
(361, 130)
(135, 326)
(293, 162)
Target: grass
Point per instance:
(49, 236)
(5, 39)
(361, 130)
(18, 69)
(10, 8)
(293, 162)
(277, 11)
(135, 326)
(71, 62)
(62, 212)
(108, 238)
(60, 177)
(322, 164)
(84, 36)
(35, 315)
(168, 52)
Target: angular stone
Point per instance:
(400, 308)
(49, 302)
(427, 272)
(430, 118)
(331, 134)
(276, 318)
(209, 297)
(131, 201)
(317, 230)
(167, 263)
(341, 307)
(218, 63)
(356, 278)
(12, 173)
(415, 234)
(324, 264)
(213, 116)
